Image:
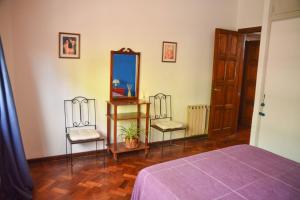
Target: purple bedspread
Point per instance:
(232, 173)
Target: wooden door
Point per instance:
(249, 83)
(226, 81)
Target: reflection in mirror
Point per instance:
(124, 74)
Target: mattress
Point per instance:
(233, 173)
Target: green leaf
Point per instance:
(131, 132)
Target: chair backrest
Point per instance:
(160, 107)
(80, 112)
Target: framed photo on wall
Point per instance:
(169, 51)
(69, 45)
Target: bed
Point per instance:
(232, 173)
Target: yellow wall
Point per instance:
(42, 81)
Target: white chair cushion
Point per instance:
(168, 124)
(83, 134)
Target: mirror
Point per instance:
(124, 74)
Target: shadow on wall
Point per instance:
(29, 110)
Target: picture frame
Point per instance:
(169, 51)
(69, 45)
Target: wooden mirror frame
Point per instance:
(125, 51)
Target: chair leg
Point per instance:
(67, 157)
(71, 155)
(184, 139)
(162, 143)
(149, 138)
(104, 153)
(96, 150)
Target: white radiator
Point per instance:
(197, 119)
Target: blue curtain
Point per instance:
(15, 180)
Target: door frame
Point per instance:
(245, 32)
(250, 40)
(269, 16)
(255, 29)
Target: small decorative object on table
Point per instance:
(132, 135)
(116, 82)
(129, 87)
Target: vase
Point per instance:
(129, 86)
(131, 143)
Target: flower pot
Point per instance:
(131, 143)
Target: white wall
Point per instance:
(280, 128)
(261, 71)
(43, 80)
(278, 72)
(250, 13)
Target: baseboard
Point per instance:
(90, 153)
(180, 139)
(64, 156)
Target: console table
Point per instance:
(119, 147)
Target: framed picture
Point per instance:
(169, 51)
(69, 45)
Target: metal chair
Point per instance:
(161, 117)
(80, 123)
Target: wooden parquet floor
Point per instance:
(90, 179)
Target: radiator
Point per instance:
(197, 119)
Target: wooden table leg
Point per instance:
(115, 131)
(138, 121)
(147, 128)
(115, 156)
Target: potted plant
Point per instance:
(131, 135)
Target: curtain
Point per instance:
(15, 180)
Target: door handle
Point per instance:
(262, 114)
(262, 105)
(216, 89)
